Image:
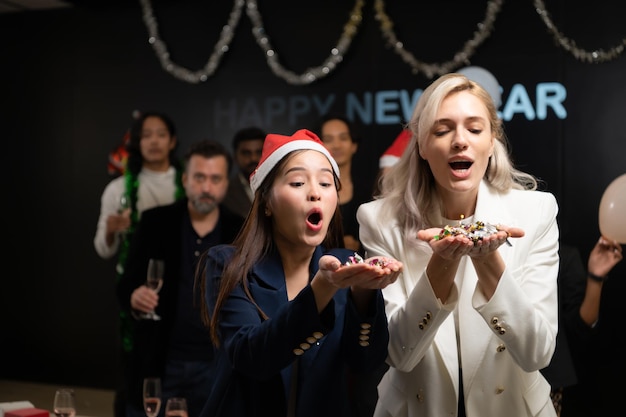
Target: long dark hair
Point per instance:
(334, 116)
(135, 159)
(253, 242)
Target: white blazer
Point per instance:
(503, 341)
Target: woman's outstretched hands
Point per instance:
(373, 273)
(453, 247)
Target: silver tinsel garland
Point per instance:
(350, 29)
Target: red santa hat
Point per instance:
(394, 152)
(276, 147)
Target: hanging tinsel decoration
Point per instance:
(596, 56)
(221, 47)
(337, 53)
(460, 58)
(314, 73)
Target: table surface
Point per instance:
(89, 401)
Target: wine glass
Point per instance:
(152, 396)
(64, 405)
(154, 280)
(123, 209)
(124, 203)
(176, 407)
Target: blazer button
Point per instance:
(311, 340)
(494, 320)
(298, 352)
(364, 343)
(501, 348)
(365, 325)
(304, 346)
(318, 335)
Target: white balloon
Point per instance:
(487, 81)
(612, 213)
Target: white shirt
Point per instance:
(155, 189)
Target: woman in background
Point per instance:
(339, 138)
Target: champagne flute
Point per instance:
(154, 280)
(152, 396)
(64, 405)
(176, 407)
(124, 203)
(123, 209)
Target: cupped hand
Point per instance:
(491, 243)
(453, 247)
(449, 247)
(373, 273)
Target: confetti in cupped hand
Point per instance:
(474, 231)
(378, 262)
(355, 259)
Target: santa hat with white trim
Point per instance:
(276, 147)
(393, 153)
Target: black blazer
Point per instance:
(159, 235)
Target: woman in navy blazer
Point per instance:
(291, 320)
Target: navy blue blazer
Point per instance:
(253, 365)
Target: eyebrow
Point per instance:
(471, 119)
(300, 168)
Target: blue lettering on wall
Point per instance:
(518, 102)
(551, 95)
(384, 107)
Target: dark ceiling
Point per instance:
(16, 6)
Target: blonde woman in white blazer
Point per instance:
(485, 306)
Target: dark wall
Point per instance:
(71, 79)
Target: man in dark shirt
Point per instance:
(177, 348)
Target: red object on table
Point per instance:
(27, 412)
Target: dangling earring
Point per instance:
(267, 212)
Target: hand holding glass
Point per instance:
(152, 396)
(124, 204)
(176, 407)
(123, 210)
(64, 403)
(154, 280)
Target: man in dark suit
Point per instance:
(247, 147)
(177, 348)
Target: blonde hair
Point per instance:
(409, 186)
